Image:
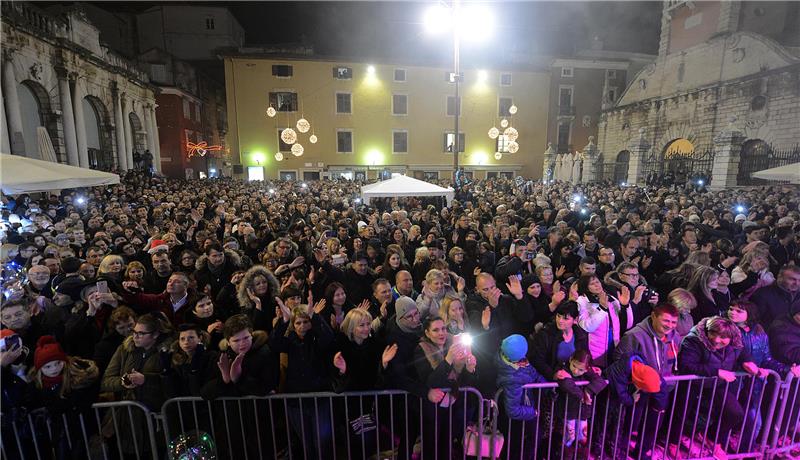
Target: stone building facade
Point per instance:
(726, 72)
(60, 82)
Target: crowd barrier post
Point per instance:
(785, 425)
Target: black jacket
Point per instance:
(259, 372)
(363, 364)
(544, 348)
(188, 378)
(309, 364)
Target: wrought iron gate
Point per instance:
(679, 167)
(757, 155)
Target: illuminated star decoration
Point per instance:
(201, 148)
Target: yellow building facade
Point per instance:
(370, 118)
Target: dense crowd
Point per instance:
(157, 288)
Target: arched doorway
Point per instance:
(34, 107)
(97, 139)
(679, 162)
(621, 167)
(138, 133)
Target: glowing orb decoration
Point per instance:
(512, 110)
(279, 156)
(511, 133)
(493, 133)
(513, 147)
(303, 125)
(504, 123)
(288, 136)
(313, 139)
(498, 156)
(297, 150)
(271, 112)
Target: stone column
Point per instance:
(591, 157)
(119, 132)
(67, 117)
(666, 20)
(549, 163)
(727, 153)
(5, 143)
(148, 127)
(639, 149)
(156, 142)
(80, 125)
(13, 112)
(126, 120)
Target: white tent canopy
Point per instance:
(789, 173)
(20, 174)
(404, 186)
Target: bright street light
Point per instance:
(370, 70)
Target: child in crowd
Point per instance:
(578, 398)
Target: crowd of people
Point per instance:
(157, 288)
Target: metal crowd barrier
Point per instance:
(785, 440)
(112, 430)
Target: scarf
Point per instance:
(435, 356)
(50, 382)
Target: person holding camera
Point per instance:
(517, 262)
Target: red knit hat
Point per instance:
(645, 378)
(47, 349)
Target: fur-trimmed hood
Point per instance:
(699, 331)
(83, 373)
(231, 257)
(247, 281)
(260, 339)
(271, 247)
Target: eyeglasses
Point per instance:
(141, 333)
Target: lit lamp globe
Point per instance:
(271, 112)
(498, 156)
(504, 123)
(303, 125)
(297, 150)
(278, 156)
(312, 139)
(493, 133)
(511, 133)
(512, 110)
(513, 147)
(288, 136)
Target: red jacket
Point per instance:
(146, 303)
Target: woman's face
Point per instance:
(565, 250)
(136, 273)
(188, 341)
(143, 337)
(204, 308)
(595, 286)
(339, 297)
(362, 329)
(456, 310)
(717, 341)
(398, 235)
(713, 282)
(394, 261)
(358, 244)
(736, 314)
(334, 248)
(437, 333)
(546, 276)
(115, 266)
(723, 279)
(436, 285)
(187, 260)
(535, 290)
(124, 327)
(260, 285)
(301, 326)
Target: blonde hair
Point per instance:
(108, 260)
(444, 309)
(434, 274)
(132, 265)
(682, 299)
(421, 254)
(352, 319)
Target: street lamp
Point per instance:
(474, 23)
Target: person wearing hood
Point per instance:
(215, 268)
(542, 305)
(256, 293)
(557, 341)
(714, 348)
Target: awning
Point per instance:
(20, 174)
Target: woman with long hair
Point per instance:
(336, 305)
(392, 264)
(454, 315)
(111, 267)
(434, 290)
(751, 273)
(604, 317)
(685, 302)
(256, 294)
(703, 286)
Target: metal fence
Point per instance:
(785, 427)
(677, 168)
(757, 155)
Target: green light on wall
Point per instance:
(258, 157)
(374, 157)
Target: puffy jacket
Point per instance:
(216, 279)
(784, 340)
(756, 343)
(697, 355)
(596, 321)
(642, 339)
(148, 362)
(544, 348)
(511, 378)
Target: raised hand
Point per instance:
(637, 296)
(319, 306)
(388, 355)
(486, 318)
(646, 261)
(624, 296)
(560, 272)
(285, 313)
(364, 305)
(236, 367)
(384, 309)
(514, 287)
(476, 271)
(340, 363)
(254, 298)
(603, 298)
(461, 284)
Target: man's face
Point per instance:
(282, 249)
(94, 257)
(216, 258)
(16, 318)
(53, 264)
(39, 275)
(383, 292)
(588, 269)
(590, 241)
(485, 286)
(161, 263)
(664, 323)
(789, 280)
(405, 283)
(360, 266)
(630, 249)
(78, 235)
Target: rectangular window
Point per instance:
(288, 175)
(611, 74)
(565, 97)
(187, 110)
(344, 141)
(566, 72)
(563, 138)
(343, 73)
(502, 106)
(507, 174)
(283, 146)
(505, 79)
(282, 70)
(310, 175)
(399, 104)
(400, 142)
(612, 94)
(453, 106)
(400, 75)
(449, 140)
(197, 112)
(283, 101)
(430, 175)
(344, 103)
(491, 174)
(209, 23)
(158, 72)
(502, 143)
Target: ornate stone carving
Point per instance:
(732, 41)
(36, 71)
(738, 55)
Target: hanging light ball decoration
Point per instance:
(271, 112)
(297, 150)
(512, 110)
(312, 138)
(493, 133)
(511, 133)
(513, 147)
(289, 136)
(278, 156)
(498, 156)
(504, 123)
(303, 125)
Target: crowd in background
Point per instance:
(157, 288)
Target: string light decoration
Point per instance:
(278, 156)
(504, 123)
(201, 149)
(303, 125)
(313, 139)
(271, 112)
(289, 136)
(297, 150)
(498, 156)
(511, 133)
(493, 133)
(513, 147)
(513, 109)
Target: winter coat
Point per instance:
(784, 340)
(597, 321)
(707, 308)
(574, 393)
(262, 320)
(260, 372)
(756, 343)
(698, 357)
(642, 309)
(510, 378)
(146, 303)
(642, 340)
(774, 302)
(84, 378)
(129, 357)
(216, 279)
(309, 358)
(401, 374)
(363, 364)
(543, 351)
(764, 278)
(188, 378)
(428, 303)
(104, 349)
(434, 371)
(619, 378)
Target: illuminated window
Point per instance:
(502, 143)
(343, 73)
(449, 140)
